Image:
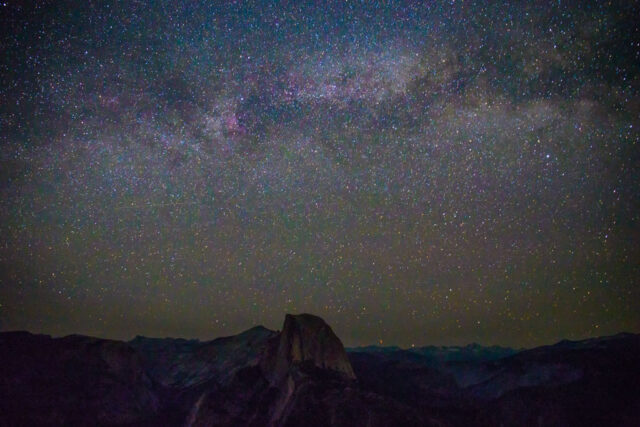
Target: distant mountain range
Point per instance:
(302, 376)
(468, 353)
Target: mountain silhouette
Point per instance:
(302, 376)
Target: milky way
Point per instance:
(413, 172)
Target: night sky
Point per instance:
(412, 172)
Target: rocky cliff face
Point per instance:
(290, 370)
(307, 341)
(178, 363)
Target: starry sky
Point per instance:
(431, 172)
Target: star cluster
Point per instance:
(413, 172)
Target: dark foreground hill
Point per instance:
(302, 376)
